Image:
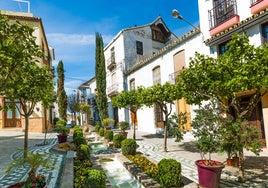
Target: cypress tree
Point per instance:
(62, 97)
(100, 73)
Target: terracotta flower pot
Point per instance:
(236, 161)
(229, 162)
(209, 176)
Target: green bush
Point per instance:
(78, 140)
(169, 173)
(61, 122)
(78, 132)
(117, 140)
(145, 165)
(129, 146)
(101, 132)
(108, 135)
(95, 179)
(83, 152)
(97, 128)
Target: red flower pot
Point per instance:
(209, 175)
(62, 138)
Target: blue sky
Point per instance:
(70, 26)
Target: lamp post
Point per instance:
(175, 14)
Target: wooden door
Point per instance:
(12, 115)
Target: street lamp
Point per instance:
(176, 14)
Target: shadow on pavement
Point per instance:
(190, 146)
(153, 136)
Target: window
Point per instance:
(132, 84)
(264, 29)
(112, 55)
(158, 114)
(223, 48)
(139, 47)
(156, 75)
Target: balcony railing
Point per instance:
(222, 12)
(113, 90)
(173, 76)
(254, 1)
(111, 64)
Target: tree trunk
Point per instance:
(134, 126)
(241, 173)
(165, 133)
(26, 136)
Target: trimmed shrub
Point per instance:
(117, 140)
(78, 140)
(97, 128)
(101, 132)
(78, 132)
(83, 152)
(129, 146)
(108, 135)
(95, 179)
(169, 173)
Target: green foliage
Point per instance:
(61, 94)
(34, 160)
(83, 152)
(80, 172)
(169, 173)
(108, 135)
(163, 96)
(97, 128)
(61, 122)
(107, 121)
(63, 130)
(176, 124)
(129, 146)
(78, 140)
(145, 165)
(95, 179)
(118, 138)
(100, 72)
(101, 132)
(123, 125)
(78, 132)
(207, 128)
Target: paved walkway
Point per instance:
(149, 144)
(186, 153)
(11, 145)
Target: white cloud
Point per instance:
(71, 39)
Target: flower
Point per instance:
(38, 182)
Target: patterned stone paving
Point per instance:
(52, 174)
(155, 151)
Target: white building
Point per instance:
(220, 19)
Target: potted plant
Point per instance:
(230, 141)
(206, 128)
(123, 125)
(34, 160)
(107, 123)
(62, 130)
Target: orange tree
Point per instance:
(130, 100)
(164, 96)
(242, 68)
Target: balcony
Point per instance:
(223, 16)
(113, 90)
(173, 76)
(111, 64)
(258, 5)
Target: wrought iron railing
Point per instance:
(222, 12)
(254, 1)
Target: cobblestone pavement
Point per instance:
(186, 153)
(11, 143)
(149, 144)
